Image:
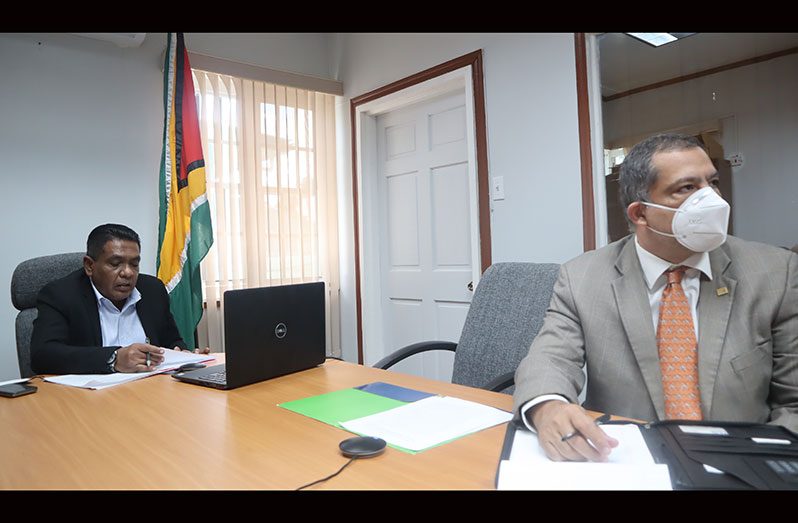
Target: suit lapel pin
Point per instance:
(722, 291)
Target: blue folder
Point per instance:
(394, 391)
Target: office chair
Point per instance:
(26, 282)
(505, 316)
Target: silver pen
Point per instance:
(604, 418)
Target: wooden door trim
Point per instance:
(585, 147)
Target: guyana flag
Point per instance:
(184, 230)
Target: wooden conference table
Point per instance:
(158, 433)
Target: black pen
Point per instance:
(598, 421)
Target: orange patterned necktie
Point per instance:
(678, 351)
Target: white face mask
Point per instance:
(700, 222)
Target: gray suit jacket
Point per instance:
(600, 316)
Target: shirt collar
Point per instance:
(134, 297)
(653, 266)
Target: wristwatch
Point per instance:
(112, 361)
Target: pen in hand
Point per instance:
(598, 421)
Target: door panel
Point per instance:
(451, 238)
(447, 126)
(401, 203)
(400, 139)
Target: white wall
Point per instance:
(533, 142)
(80, 139)
(758, 106)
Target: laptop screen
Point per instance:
(271, 331)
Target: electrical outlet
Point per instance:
(498, 187)
(736, 160)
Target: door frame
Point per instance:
(465, 71)
(591, 141)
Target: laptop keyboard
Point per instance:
(216, 377)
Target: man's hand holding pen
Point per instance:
(138, 357)
(567, 433)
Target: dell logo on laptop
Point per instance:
(281, 330)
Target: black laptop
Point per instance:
(268, 332)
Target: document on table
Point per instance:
(630, 467)
(172, 360)
(15, 380)
(428, 422)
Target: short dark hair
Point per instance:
(637, 172)
(102, 234)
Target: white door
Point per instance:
(428, 230)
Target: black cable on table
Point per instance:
(328, 477)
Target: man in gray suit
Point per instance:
(739, 298)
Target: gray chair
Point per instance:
(26, 282)
(505, 316)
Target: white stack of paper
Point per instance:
(428, 422)
(172, 360)
(630, 466)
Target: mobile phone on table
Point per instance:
(12, 390)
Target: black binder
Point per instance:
(770, 464)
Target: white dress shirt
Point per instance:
(655, 279)
(120, 328)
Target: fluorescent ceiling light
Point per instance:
(658, 39)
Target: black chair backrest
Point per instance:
(505, 316)
(28, 279)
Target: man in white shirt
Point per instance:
(674, 321)
(105, 317)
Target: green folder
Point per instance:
(341, 405)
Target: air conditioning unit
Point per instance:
(120, 39)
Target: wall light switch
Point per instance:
(498, 188)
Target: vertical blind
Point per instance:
(271, 179)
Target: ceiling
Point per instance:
(627, 63)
